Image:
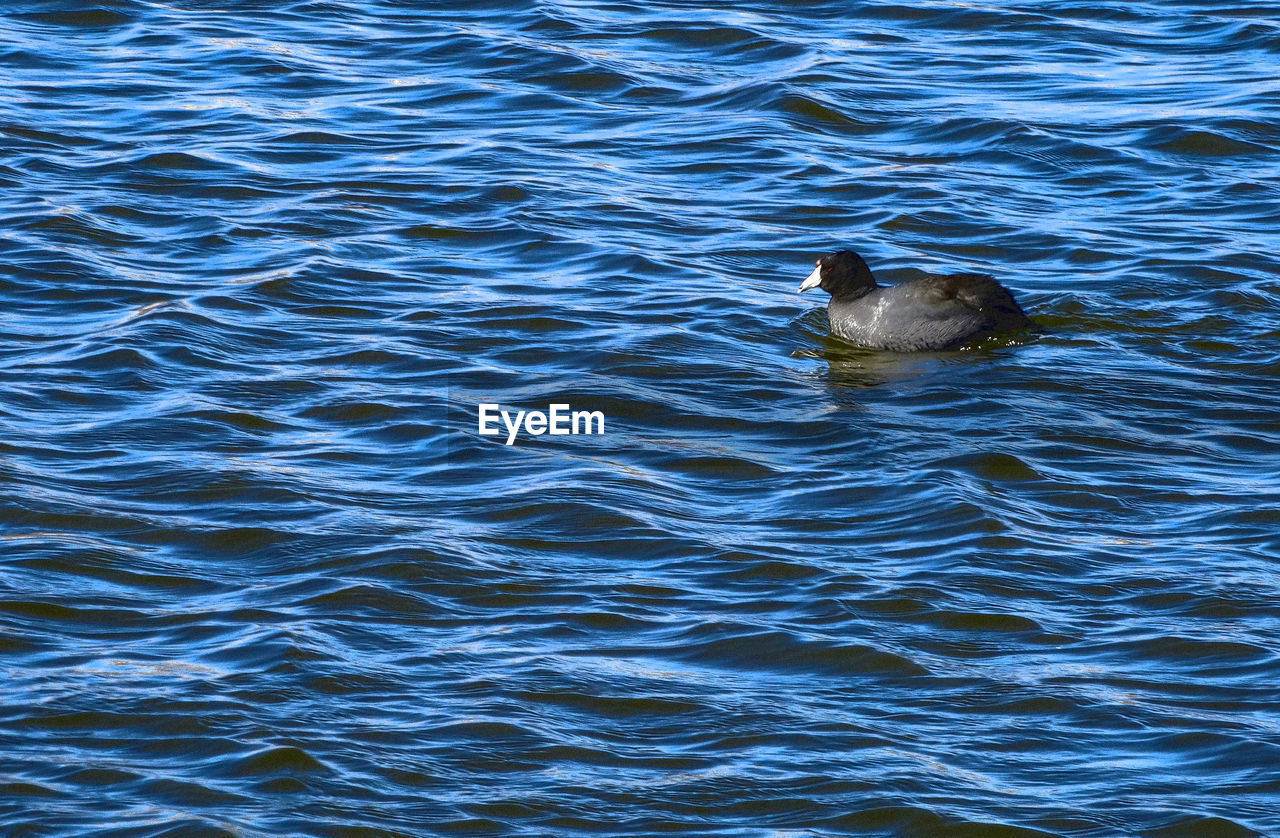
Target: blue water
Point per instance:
(261, 263)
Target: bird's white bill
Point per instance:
(813, 280)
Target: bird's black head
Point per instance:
(843, 275)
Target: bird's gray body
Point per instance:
(934, 312)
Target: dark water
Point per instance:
(261, 262)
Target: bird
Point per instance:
(933, 312)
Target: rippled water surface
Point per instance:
(260, 264)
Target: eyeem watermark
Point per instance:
(559, 420)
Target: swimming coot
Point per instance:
(934, 312)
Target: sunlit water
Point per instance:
(262, 262)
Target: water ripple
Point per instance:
(261, 575)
